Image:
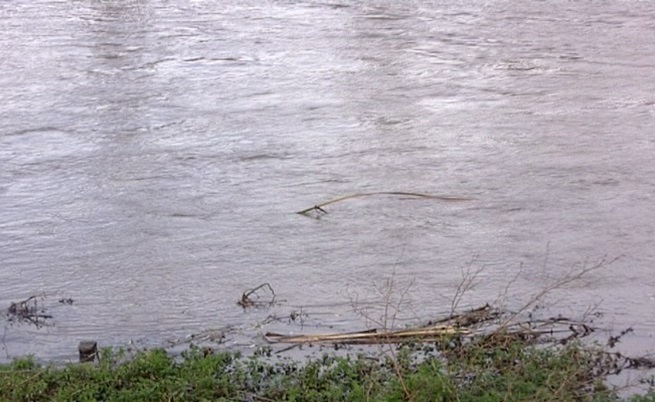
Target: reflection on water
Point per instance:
(152, 155)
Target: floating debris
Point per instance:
(210, 335)
(28, 311)
(319, 210)
(255, 298)
(477, 322)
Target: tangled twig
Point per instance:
(27, 311)
(250, 298)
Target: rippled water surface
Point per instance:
(153, 153)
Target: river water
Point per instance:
(153, 155)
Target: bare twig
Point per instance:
(503, 295)
(387, 321)
(391, 305)
(468, 283)
(569, 278)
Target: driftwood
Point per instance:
(373, 336)
(319, 207)
(476, 322)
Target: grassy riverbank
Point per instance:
(483, 370)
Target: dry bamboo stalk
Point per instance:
(448, 326)
(372, 336)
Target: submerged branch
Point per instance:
(319, 207)
(29, 311)
(250, 298)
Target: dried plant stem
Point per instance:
(467, 284)
(570, 277)
(319, 207)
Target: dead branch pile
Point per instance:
(483, 321)
(487, 325)
(28, 311)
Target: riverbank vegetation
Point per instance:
(500, 367)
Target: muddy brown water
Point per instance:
(153, 153)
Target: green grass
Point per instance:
(478, 371)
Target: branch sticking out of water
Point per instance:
(319, 207)
(251, 298)
(28, 310)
